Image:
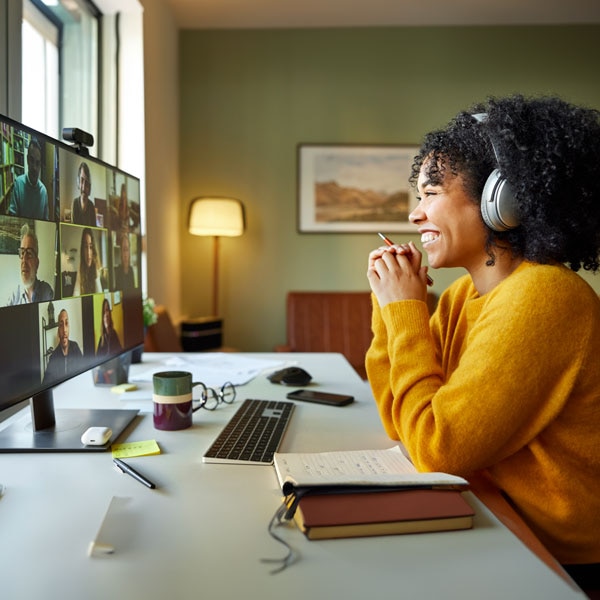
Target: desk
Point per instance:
(202, 533)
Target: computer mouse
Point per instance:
(290, 376)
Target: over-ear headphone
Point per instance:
(498, 204)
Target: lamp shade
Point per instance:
(217, 217)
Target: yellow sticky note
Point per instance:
(130, 449)
(123, 387)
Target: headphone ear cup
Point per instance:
(498, 204)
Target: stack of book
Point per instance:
(367, 493)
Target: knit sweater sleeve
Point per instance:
(378, 359)
(485, 376)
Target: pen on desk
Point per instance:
(390, 243)
(125, 468)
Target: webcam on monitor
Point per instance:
(82, 140)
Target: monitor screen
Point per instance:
(70, 279)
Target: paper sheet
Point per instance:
(111, 528)
(214, 368)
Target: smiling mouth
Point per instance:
(429, 237)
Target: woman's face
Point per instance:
(106, 316)
(88, 249)
(449, 220)
(125, 254)
(85, 185)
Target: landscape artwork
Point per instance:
(355, 188)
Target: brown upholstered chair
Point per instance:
(330, 322)
(162, 336)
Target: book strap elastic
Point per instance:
(281, 518)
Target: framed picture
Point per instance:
(352, 188)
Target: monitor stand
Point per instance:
(60, 431)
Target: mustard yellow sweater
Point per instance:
(509, 384)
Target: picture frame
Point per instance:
(355, 188)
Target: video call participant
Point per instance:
(88, 278)
(83, 211)
(109, 343)
(69, 271)
(124, 278)
(503, 382)
(31, 288)
(123, 210)
(67, 356)
(29, 197)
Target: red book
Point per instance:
(323, 516)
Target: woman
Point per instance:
(88, 280)
(504, 380)
(123, 209)
(124, 278)
(109, 343)
(83, 210)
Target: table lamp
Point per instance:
(216, 216)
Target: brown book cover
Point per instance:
(323, 516)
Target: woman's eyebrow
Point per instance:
(428, 182)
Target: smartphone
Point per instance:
(321, 397)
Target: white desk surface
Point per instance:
(202, 532)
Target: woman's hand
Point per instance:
(395, 273)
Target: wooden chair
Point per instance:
(162, 336)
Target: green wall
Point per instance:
(248, 97)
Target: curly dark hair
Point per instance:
(549, 152)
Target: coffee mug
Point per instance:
(172, 399)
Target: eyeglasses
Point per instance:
(27, 253)
(211, 397)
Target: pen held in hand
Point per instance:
(390, 243)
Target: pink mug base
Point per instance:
(172, 417)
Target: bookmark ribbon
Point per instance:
(281, 518)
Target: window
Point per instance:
(40, 76)
(60, 42)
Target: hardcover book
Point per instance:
(360, 514)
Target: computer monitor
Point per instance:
(70, 283)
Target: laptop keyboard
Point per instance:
(253, 434)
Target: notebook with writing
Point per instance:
(388, 468)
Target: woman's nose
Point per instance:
(416, 215)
